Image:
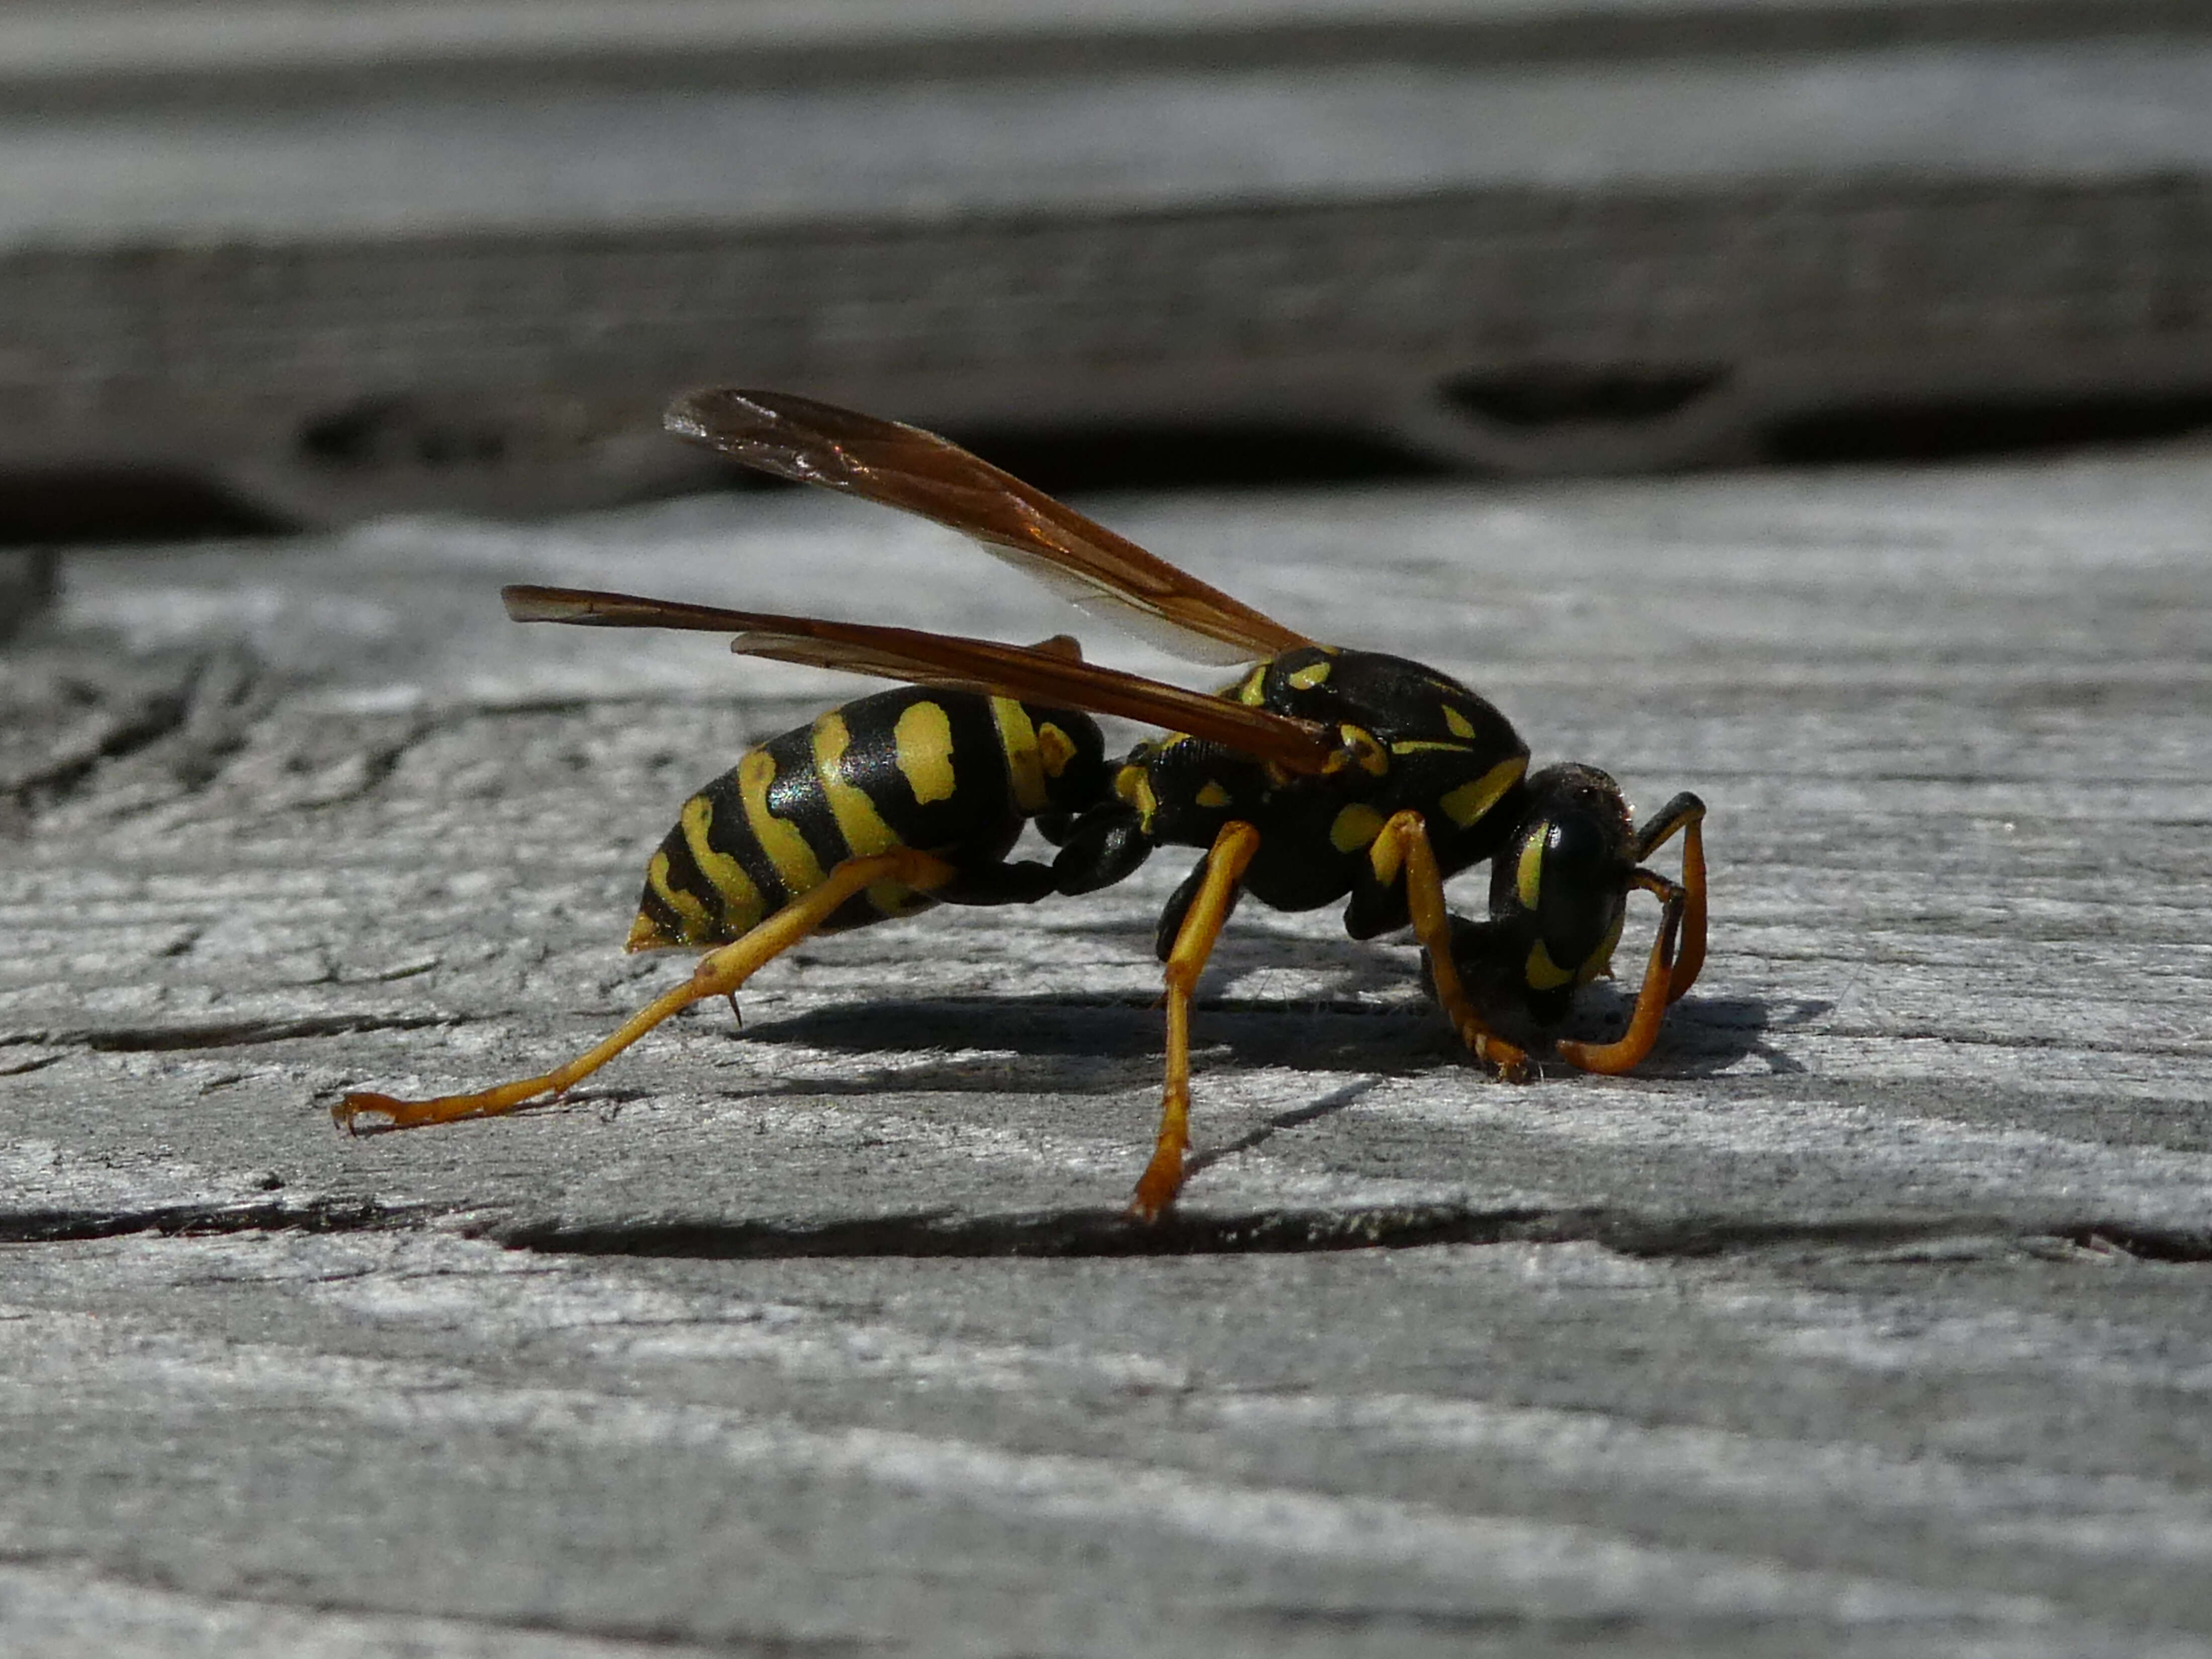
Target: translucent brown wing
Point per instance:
(1047, 673)
(905, 467)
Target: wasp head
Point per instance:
(1558, 892)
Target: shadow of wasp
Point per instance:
(1320, 774)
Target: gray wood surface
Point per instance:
(1872, 1318)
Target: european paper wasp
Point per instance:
(1320, 774)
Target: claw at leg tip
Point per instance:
(381, 1112)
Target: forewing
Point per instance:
(1045, 674)
(920, 472)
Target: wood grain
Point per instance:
(1872, 1318)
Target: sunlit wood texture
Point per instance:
(1870, 1318)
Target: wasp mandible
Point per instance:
(1320, 774)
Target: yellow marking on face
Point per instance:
(1372, 757)
(862, 826)
(1355, 827)
(1468, 803)
(779, 838)
(1600, 960)
(1528, 874)
(741, 899)
(1056, 749)
(1457, 724)
(1543, 974)
(1421, 745)
(1025, 766)
(1213, 796)
(1134, 784)
(1251, 691)
(922, 743)
(1312, 674)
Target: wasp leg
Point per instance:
(1403, 846)
(720, 973)
(1208, 910)
(1633, 1044)
(1686, 813)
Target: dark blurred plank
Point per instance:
(368, 284)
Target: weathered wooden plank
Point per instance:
(1871, 1318)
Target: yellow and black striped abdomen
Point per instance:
(952, 773)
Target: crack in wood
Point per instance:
(1102, 1233)
(153, 719)
(1112, 1233)
(311, 1215)
(224, 1034)
(201, 708)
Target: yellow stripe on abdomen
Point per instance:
(858, 821)
(786, 850)
(922, 744)
(742, 905)
(693, 921)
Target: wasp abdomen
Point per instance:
(952, 773)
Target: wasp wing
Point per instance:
(920, 472)
(1047, 673)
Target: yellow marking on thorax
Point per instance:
(1457, 724)
(922, 743)
(1373, 758)
(779, 838)
(1025, 766)
(1528, 874)
(1355, 827)
(1543, 974)
(862, 826)
(1312, 674)
(1133, 785)
(1468, 803)
(1421, 745)
(741, 898)
(1056, 748)
(1251, 691)
(1213, 796)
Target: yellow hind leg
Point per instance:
(720, 973)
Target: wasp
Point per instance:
(1322, 774)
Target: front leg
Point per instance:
(1203, 918)
(1686, 814)
(1402, 849)
(1661, 973)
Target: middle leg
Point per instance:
(1232, 853)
